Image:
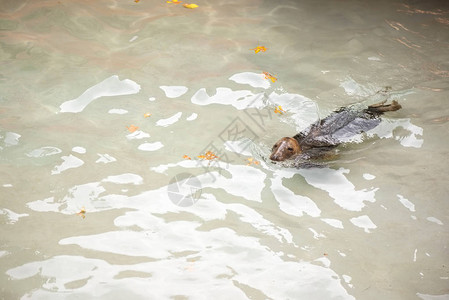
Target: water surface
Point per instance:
(90, 209)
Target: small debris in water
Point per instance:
(269, 76)
(279, 110)
(259, 49)
(132, 128)
(191, 6)
(208, 156)
(252, 161)
(82, 212)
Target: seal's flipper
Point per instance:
(381, 107)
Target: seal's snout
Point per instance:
(275, 157)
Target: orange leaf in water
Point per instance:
(191, 6)
(279, 110)
(82, 212)
(132, 128)
(252, 161)
(146, 115)
(174, 1)
(137, 1)
(208, 156)
(186, 157)
(269, 76)
(259, 48)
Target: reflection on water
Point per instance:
(108, 109)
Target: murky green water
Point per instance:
(91, 210)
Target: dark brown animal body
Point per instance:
(324, 135)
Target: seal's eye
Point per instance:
(290, 149)
(275, 146)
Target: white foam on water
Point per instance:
(12, 217)
(105, 158)
(240, 99)
(127, 178)
(150, 146)
(11, 138)
(44, 151)
(169, 121)
(334, 223)
(363, 222)
(137, 135)
(174, 91)
(406, 203)
(111, 86)
(339, 187)
(192, 117)
(118, 111)
(80, 150)
(253, 79)
(289, 202)
(70, 162)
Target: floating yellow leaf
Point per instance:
(146, 115)
(252, 161)
(259, 48)
(191, 6)
(279, 110)
(186, 157)
(132, 128)
(269, 76)
(82, 212)
(174, 1)
(208, 156)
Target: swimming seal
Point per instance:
(324, 135)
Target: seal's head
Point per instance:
(285, 148)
